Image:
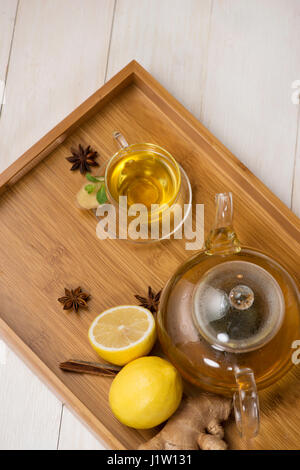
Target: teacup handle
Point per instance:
(120, 139)
(246, 403)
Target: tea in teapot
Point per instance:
(228, 318)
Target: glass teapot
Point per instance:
(228, 318)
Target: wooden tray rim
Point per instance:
(194, 130)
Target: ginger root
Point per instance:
(196, 424)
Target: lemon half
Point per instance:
(123, 333)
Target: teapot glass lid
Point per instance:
(238, 306)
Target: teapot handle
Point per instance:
(120, 139)
(246, 403)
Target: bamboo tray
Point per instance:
(47, 244)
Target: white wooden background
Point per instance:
(232, 63)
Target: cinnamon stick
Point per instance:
(85, 367)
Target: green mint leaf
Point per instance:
(90, 188)
(101, 195)
(94, 179)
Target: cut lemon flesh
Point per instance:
(123, 333)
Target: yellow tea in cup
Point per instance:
(146, 174)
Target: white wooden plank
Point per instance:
(7, 19)
(58, 59)
(75, 436)
(3, 353)
(8, 10)
(29, 413)
(254, 55)
(169, 38)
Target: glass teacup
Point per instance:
(141, 180)
(145, 174)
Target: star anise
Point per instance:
(83, 159)
(151, 302)
(74, 299)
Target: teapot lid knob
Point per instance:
(241, 297)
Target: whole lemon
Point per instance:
(146, 392)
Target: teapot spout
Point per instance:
(222, 239)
